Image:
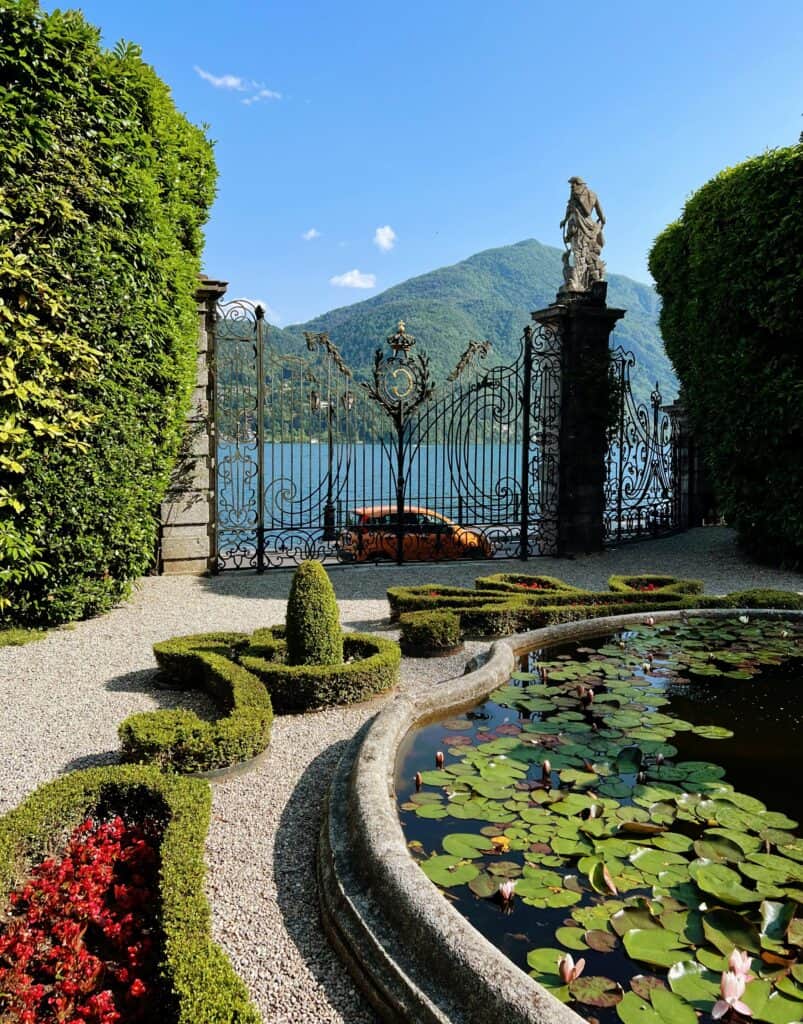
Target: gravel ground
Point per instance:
(65, 695)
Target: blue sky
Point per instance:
(454, 124)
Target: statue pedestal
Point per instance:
(584, 322)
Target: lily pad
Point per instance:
(671, 1008)
(572, 938)
(634, 1010)
(601, 941)
(654, 946)
(484, 885)
(726, 929)
(596, 991)
(713, 732)
(448, 872)
(694, 983)
(722, 882)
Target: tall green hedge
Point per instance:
(104, 188)
(730, 274)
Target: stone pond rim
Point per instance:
(416, 958)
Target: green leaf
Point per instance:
(671, 1007)
(654, 946)
(634, 1010)
(572, 938)
(694, 983)
(447, 871)
(722, 883)
(484, 885)
(727, 929)
(596, 991)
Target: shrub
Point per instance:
(731, 282)
(428, 632)
(654, 583)
(487, 614)
(371, 667)
(758, 598)
(104, 188)
(313, 632)
(518, 583)
(202, 979)
(180, 740)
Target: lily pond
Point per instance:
(641, 793)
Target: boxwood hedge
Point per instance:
(429, 633)
(493, 613)
(104, 188)
(182, 741)
(205, 986)
(371, 666)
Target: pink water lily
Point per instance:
(507, 891)
(732, 988)
(439, 759)
(739, 963)
(569, 970)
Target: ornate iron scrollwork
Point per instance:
(641, 490)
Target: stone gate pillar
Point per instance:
(584, 323)
(188, 510)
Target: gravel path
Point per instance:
(64, 696)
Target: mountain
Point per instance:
(488, 296)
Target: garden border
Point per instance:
(417, 959)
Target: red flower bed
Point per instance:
(645, 586)
(80, 943)
(530, 586)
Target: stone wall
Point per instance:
(188, 511)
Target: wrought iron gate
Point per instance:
(314, 461)
(642, 490)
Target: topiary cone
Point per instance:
(313, 634)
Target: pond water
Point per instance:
(665, 831)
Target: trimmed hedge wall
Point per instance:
(430, 632)
(374, 669)
(180, 741)
(104, 188)
(202, 979)
(730, 277)
(487, 615)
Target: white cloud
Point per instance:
(312, 233)
(223, 81)
(354, 279)
(263, 94)
(385, 238)
(271, 315)
(239, 85)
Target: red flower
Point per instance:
(76, 945)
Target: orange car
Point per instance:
(371, 534)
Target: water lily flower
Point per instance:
(744, 619)
(650, 620)
(739, 963)
(659, 758)
(732, 988)
(439, 759)
(418, 781)
(507, 890)
(569, 970)
(647, 667)
(546, 773)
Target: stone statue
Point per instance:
(582, 236)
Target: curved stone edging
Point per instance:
(417, 959)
